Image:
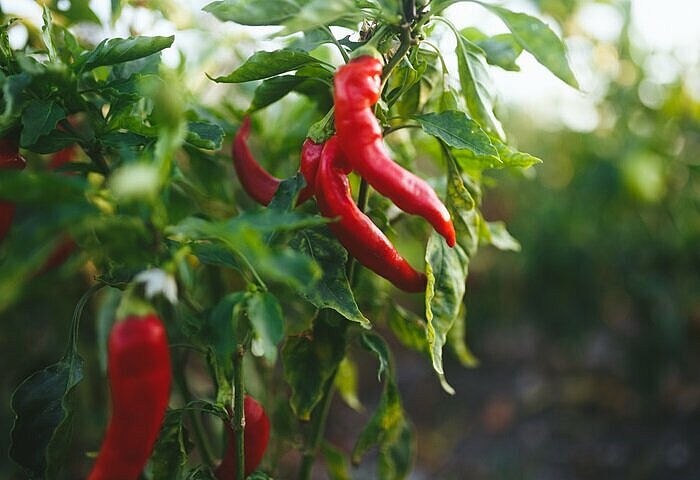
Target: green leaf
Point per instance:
(172, 447)
(337, 464)
(459, 131)
(537, 38)
(462, 207)
(39, 118)
(310, 360)
(43, 408)
(476, 85)
(446, 269)
(385, 425)
(222, 330)
(317, 13)
(408, 328)
(333, 290)
(119, 50)
(13, 96)
(346, 383)
(496, 234)
(253, 12)
(42, 188)
(75, 11)
(47, 34)
(456, 340)
(513, 158)
(268, 64)
(376, 344)
(501, 50)
(205, 135)
(273, 89)
(265, 316)
(396, 459)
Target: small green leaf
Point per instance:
(39, 118)
(396, 459)
(310, 360)
(376, 344)
(337, 464)
(537, 38)
(205, 135)
(408, 328)
(119, 50)
(333, 290)
(253, 12)
(456, 340)
(459, 131)
(265, 316)
(496, 234)
(502, 51)
(268, 64)
(172, 448)
(513, 158)
(346, 383)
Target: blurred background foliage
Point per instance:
(588, 339)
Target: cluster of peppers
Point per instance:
(357, 146)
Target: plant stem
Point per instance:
(406, 42)
(200, 436)
(345, 55)
(238, 413)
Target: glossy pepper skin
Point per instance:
(357, 89)
(139, 375)
(255, 438)
(354, 230)
(10, 159)
(257, 181)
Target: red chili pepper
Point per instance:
(357, 89)
(139, 375)
(355, 231)
(257, 181)
(255, 437)
(10, 158)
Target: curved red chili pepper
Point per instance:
(255, 437)
(257, 181)
(357, 88)
(10, 159)
(355, 231)
(139, 376)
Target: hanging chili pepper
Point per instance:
(10, 159)
(139, 375)
(257, 181)
(255, 437)
(357, 89)
(355, 231)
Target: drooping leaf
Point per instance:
(39, 118)
(496, 234)
(456, 340)
(337, 463)
(346, 383)
(205, 135)
(316, 13)
(333, 290)
(537, 38)
(310, 360)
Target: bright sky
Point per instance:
(668, 29)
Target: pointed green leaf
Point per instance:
(268, 64)
(119, 50)
(496, 234)
(253, 12)
(459, 131)
(317, 13)
(456, 339)
(172, 447)
(537, 38)
(333, 290)
(337, 464)
(310, 360)
(39, 118)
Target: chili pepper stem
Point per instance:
(238, 412)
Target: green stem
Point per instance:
(238, 413)
(200, 437)
(406, 42)
(345, 55)
(77, 315)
